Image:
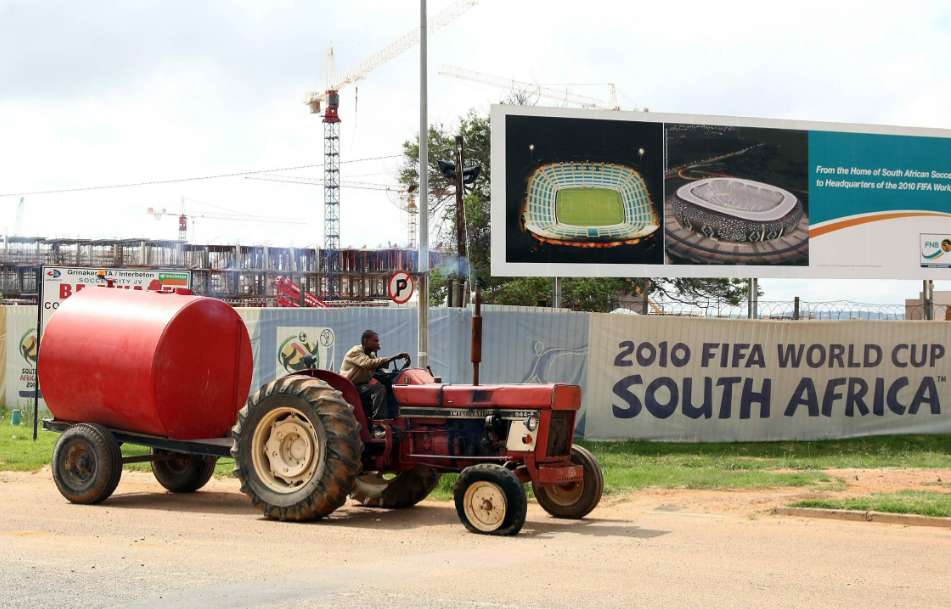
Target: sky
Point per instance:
(115, 92)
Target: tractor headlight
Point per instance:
(531, 423)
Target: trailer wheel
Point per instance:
(182, 473)
(405, 489)
(87, 463)
(575, 499)
(297, 449)
(490, 500)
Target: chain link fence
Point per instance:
(796, 309)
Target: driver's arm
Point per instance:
(362, 360)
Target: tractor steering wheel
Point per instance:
(388, 372)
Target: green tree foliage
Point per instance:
(580, 294)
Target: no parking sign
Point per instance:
(400, 287)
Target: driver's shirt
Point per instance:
(358, 366)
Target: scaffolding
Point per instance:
(242, 275)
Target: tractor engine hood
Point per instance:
(553, 396)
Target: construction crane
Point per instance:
(330, 98)
(183, 219)
(406, 199)
(543, 91)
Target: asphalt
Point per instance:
(145, 548)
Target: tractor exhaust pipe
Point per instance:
(477, 336)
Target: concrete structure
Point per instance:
(242, 275)
(942, 306)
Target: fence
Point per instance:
(647, 377)
(791, 310)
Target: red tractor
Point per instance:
(302, 444)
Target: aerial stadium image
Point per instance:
(736, 195)
(583, 191)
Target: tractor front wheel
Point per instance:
(490, 500)
(87, 463)
(297, 448)
(403, 490)
(574, 499)
(181, 473)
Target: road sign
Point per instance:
(400, 287)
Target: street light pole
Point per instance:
(422, 266)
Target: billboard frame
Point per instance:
(500, 266)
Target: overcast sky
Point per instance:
(115, 92)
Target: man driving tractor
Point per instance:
(360, 363)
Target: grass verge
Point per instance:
(924, 503)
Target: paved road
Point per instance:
(673, 549)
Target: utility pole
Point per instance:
(556, 301)
(422, 267)
(460, 283)
(927, 299)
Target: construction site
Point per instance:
(242, 275)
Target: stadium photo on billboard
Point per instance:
(736, 196)
(583, 191)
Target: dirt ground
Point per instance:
(651, 549)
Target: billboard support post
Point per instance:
(36, 375)
(927, 299)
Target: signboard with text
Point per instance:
(634, 194)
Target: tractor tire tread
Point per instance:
(590, 495)
(516, 500)
(343, 448)
(108, 463)
(406, 490)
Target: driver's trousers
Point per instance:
(373, 396)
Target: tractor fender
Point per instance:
(350, 394)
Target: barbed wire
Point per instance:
(778, 309)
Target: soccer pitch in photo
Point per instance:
(589, 206)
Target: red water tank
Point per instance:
(165, 364)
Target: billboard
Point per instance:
(692, 380)
(61, 282)
(621, 194)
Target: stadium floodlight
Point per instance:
(469, 174)
(588, 204)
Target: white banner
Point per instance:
(20, 365)
(717, 380)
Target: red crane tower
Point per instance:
(330, 98)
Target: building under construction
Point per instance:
(242, 275)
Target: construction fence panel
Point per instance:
(19, 357)
(655, 377)
(285, 340)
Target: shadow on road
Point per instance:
(355, 516)
(210, 502)
(594, 527)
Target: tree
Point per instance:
(581, 294)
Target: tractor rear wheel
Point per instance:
(490, 500)
(297, 449)
(87, 463)
(405, 489)
(181, 473)
(574, 499)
